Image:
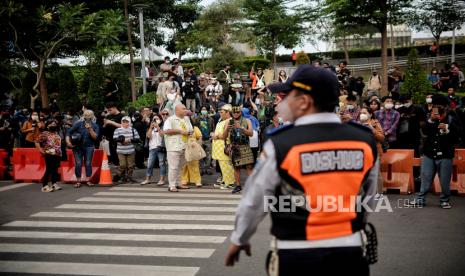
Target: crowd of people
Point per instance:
(228, 114)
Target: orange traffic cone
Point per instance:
(105, 173)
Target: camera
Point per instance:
(120, 139)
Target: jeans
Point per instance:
(79, 153)
(190, 104)
(153, 155)
(429, 167)
(239, 98)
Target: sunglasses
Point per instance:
(164, 114)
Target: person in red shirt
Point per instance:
(293, 57)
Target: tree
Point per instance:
(415, 83)
(354, 14)
(273, 25)
(437, 16)
(68, 99)
(42, 30)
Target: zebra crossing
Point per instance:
(124, 230)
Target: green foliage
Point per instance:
(273, 24)
(68, 99)
(94, 97)
(259, 62)
(437, 16)
(120, 76)
(148, 99)
(302, 58)
(415, 82)
(27, 89)
(224, 55)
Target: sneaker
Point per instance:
(47, 189)
(216, 185)
(237, 189)
(219, 179)
(416, 203)
(445, 205)
(56, 187)
(161, 183)
(226, 187)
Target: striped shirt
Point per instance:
(128, 134)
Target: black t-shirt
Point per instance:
(108, 130)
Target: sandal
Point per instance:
(184, 187)
(172, 189)
(161, 183)
(90, 184)
(77, 185)
(199, 185)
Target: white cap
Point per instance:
(126, 118)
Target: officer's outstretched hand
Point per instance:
(233, 253)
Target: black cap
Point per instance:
(315, 81)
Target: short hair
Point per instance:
(110, 105)
(386, 98)
(351, 98)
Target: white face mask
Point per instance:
(364, 117)
(35, 118)
(350, 107)
(285, 111)
(389, 106)
(397, 106)
(407, 104)
(429, 100)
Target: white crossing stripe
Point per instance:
(160, 200)
(155, 194)
(135, 216)
(148, 208)
(94, 269)
(106, 250)
(130, 187)
(14, 186)
(111, 237)
(118, 225)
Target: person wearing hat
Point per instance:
(315, 159)
(49, 145)
(442, 130)
(219, 140)
(126, 136)
(237, 132)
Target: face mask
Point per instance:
(364, 117)
(397, 106)
(429, 100)
(35, 118)
(389, 106)
(407, 105)
(285, 111)
(52, 128)
(204, 112)
(350, 107)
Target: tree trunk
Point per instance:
(43, 90)
(131, 54)
(274, 54)
(346, 50)
(393, 56)
(384, 54)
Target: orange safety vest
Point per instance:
(327, 159)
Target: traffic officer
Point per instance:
(316, 159)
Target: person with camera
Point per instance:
(111, 122)
(126, 137)
(32, 129)
(49, 145)
(157, 150)
(81, 138)
(442, 133)
(239, 129)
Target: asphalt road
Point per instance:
(144, 230)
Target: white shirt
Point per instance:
(156, 140)
(176, 142)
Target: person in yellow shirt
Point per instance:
(218, 145)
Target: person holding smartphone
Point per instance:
(442, 131)
(85, 132)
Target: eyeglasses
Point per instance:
(237, 112)
(164, 114)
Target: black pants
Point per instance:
(322, 261)
(113, 154)
(52, 163)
